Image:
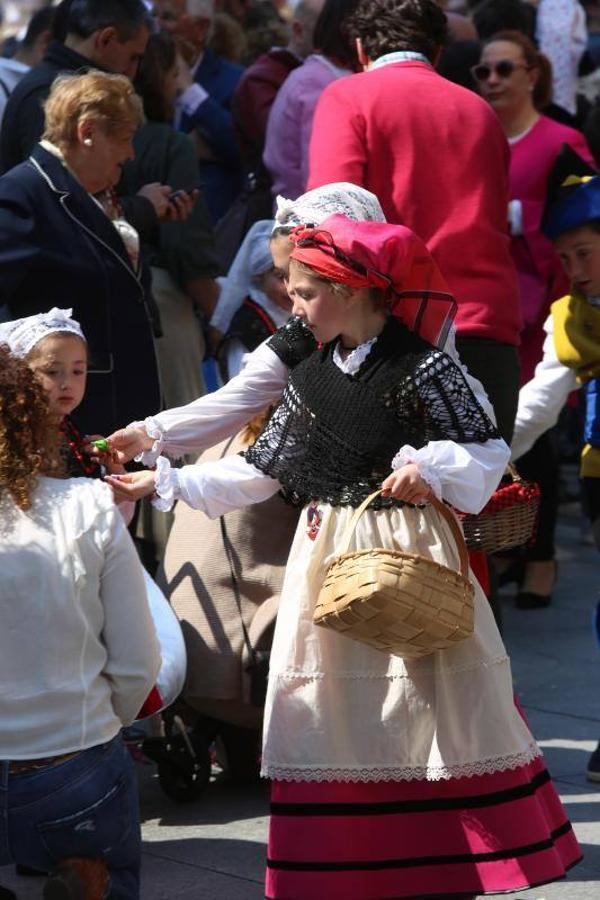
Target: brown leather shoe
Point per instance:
(78, 878)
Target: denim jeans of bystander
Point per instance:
(86, 806)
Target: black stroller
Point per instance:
(210, 570)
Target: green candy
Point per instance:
(101, 444)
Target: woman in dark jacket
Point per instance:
(59, 247)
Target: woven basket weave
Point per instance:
(508, 520)
(397, 602)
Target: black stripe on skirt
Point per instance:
(375, 865)
(409, 806)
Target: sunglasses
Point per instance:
(503, 69)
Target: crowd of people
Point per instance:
(347, 251)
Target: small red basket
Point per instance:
(509, 518)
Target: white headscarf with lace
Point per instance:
(22, 335)
(311, 208)
(317, 205)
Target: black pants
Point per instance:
(542, 464)
(591, 505)
(497, 367)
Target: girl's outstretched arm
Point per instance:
(215, 487)
(208, 420)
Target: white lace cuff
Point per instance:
(418, 458)
(167, 485)
(153, 430)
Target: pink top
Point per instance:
(541, 276)
(436, 156)
(290, 124)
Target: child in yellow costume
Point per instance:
(572, 348)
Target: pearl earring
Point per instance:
(87, 142)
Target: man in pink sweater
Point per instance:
(437, 158)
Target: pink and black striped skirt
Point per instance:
(483, 834)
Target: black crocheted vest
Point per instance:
(333, 436)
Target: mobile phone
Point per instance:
(186, 190)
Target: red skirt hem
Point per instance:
(485, 834)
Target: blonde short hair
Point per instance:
(110, 100)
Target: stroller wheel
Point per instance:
(184, 762)
(181, 785)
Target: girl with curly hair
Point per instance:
(28, 437)
(76, 663)
(55, 349)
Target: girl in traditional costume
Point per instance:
(54, 347)
(572, 347)
(253, 302)
(390, 777)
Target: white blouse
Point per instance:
(78, 649)
(543, 397)
(463, 474)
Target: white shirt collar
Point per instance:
(355, 358)
(399, 56)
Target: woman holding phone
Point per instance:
(182, 254)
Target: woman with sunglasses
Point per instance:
(517, 82)
(386, 773)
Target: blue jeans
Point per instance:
(87, 806)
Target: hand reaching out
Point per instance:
(129, 442)
(132, 485)
(107, 458)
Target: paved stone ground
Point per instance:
(215, 847)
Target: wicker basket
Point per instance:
(397, 602)
(508, 520)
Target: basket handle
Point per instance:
(512, 471)
(459, 538)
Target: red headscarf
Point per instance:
(378, 255)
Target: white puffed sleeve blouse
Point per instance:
(463, 474)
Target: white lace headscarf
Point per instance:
(22, 335)
(317, 205)
(254, 257)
